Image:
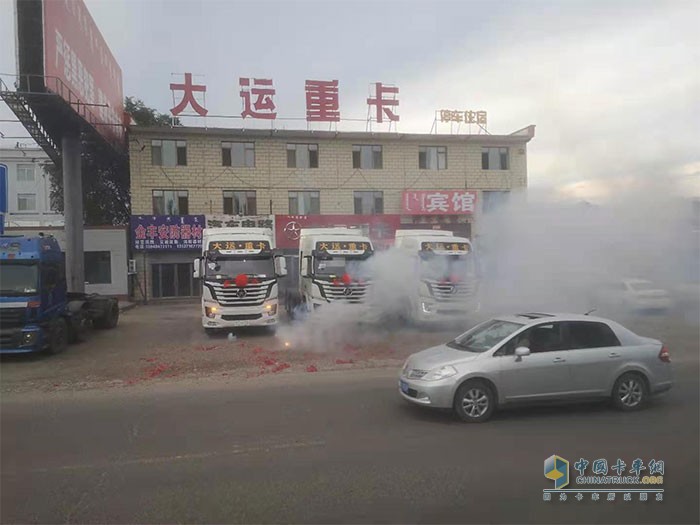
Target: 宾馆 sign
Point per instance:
(438, 202)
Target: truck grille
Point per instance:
(451, 292)
(251, 295)
(241, 317)
(12, 317)
(353, 293)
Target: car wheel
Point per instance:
(630, 392)
(474, 402)
(58, 336)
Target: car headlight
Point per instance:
(440, 373)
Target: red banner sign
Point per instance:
(77, 58)
(438, 202)
(379, 228)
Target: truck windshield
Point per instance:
(18, 278)
(447, 266)
(228, 268)
(339, 265)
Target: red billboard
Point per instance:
(438, 202)
(79, 65)
(379, 228)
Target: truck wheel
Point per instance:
(58, 336)
(78, 327)
(110, 319)
(211, 332)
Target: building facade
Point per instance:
(28, 188)
(403, 180)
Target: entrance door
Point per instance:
(172, 280)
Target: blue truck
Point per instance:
(37, 313)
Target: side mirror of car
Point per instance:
(521, 352)
(280, 266)
(197, 264)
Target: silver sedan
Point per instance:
(537, 357)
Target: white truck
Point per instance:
(239, 272)
(446, 284)
(332, 268)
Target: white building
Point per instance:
(28, 188)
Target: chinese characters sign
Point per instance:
(343, 247)
(167, 232)
(322, 99)
(468, 117)
(445, 247)
(447, 202)
(239, 247)
(241, 221)
(76, 56)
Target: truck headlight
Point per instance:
(210, 311)
(271, 309)
(440, 373)
(427, 308)
(29, 338)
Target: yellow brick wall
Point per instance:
(205, 178)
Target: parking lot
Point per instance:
(165, 343)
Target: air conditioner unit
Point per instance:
(132, 266)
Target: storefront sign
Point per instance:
(241, 221)
(343, 247)
(379, 228)
(167, 232)
(436, 202)
(239, 247)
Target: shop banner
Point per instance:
(379, 228)
(438, 202)
(167, 232)
(241, 221)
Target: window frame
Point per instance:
(293, 157)
(486, 158)
(96, 264)
(295, 210)
(181, 194)
(440, 151)
(377, 196)
(21, 196)
(249, 194)
(22, 168)
(246, 147)
(377, 161)
(568, 338)
(179, 152)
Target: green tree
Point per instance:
(106, 190)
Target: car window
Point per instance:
(589, 334)
(541, 338)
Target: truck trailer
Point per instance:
(37, 313)
(239, 270)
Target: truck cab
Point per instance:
(332, 268)
(446, 282)
(239, 272)
(36, 311)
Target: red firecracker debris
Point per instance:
(344, 361)
(268, 361)
(280, 367)
(311, 368)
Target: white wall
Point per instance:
(42, 215)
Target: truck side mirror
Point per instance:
(304, 268)
(280, 266)
(197, 265)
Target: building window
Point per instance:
(432, 158)
(367, 157)
(26, 202)
(239, 203)
(238, 154)
(25, 172)
(304, 203)
(494, 159)
(98, 267)
(170, 202)
(302, 155)
(493, 200)
(169, 152)
(369, 202)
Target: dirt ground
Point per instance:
(165, 342)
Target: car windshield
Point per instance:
(447, 266)
(485, 336)
(228, 268)
(336, 266)
(18, 278)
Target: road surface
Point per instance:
(332, 447)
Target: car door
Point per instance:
(594, 354)
(544, 373)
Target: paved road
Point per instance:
(331, 447)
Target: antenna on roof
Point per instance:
(590, 311)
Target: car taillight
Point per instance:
(665, 355)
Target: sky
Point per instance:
(612, 86)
